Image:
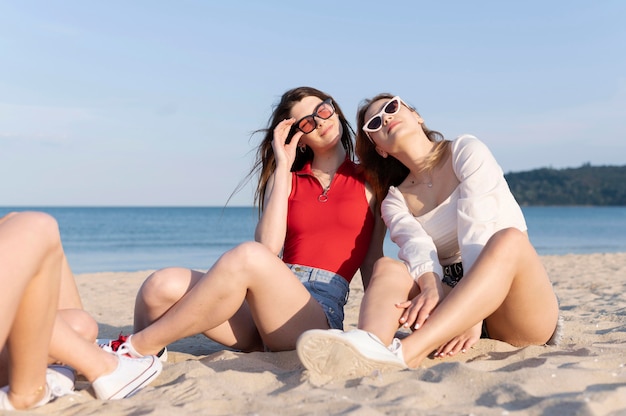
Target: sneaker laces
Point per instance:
(115, 344)
(123, 346)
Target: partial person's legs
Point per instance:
(112, 376)
(30, 257)
(280, 305)
(162, 289)
(391, 283)
(508, 286)
(71, 306)
(70, 348)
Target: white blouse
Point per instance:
(457, 229)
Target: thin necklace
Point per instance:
(429, 183)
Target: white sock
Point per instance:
(396, 348)
(131, 350)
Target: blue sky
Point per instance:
(154, 102)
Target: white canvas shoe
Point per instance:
(131, 375)
(337, 354)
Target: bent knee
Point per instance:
(512, 234)
(41, 225)
(387, 268)
(248, 254)
(81, 322)
(385, 265)
(510, 240)
(165, 285)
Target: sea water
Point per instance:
(98, 239)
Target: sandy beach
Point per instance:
(585, 375)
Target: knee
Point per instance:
(386, 264)
(246, 256)
(41, 225)
(163, 286)
(81, 322)
(388, 268)
(509, 239)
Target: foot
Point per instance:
(337, 354)
(130, 376)
(59, 382)
(122, 346)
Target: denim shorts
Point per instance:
(329, 289)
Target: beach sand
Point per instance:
(585, 375)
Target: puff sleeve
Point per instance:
(485, 203)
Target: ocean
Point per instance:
(145, 238)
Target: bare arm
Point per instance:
(375, 250)
(272, 226)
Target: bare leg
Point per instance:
(70, 309)
(81, 322)
(508, 286)
(71, 306)
(390, 284)
(279, 304)
(84, 356)
(69, 297)
(166, 287)
(30, 257)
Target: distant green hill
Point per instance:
(586, 185)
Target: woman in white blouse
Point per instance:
(450, 210)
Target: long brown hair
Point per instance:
(382, 172)
(265, 163)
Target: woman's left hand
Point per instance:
(461, 343)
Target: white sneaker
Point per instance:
(59, 382)
(357, 353)
(130, 376)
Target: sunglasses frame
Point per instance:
(328, 101)
(381, 113)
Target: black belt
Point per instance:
(452, 274)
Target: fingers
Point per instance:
(458, 344)
(285, 153)
(423, 314)
(450, 348)
(408, 316)
(416, 311)
(282, 130)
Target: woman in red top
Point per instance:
(315, 211)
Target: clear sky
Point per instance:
(154, 102)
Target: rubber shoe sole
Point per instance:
(330, 354)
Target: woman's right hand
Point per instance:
(418, 309)
(285, 152)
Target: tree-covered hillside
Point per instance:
(586, 185)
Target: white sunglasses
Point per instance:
(375, 123)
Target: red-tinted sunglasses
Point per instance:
(324, 110)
